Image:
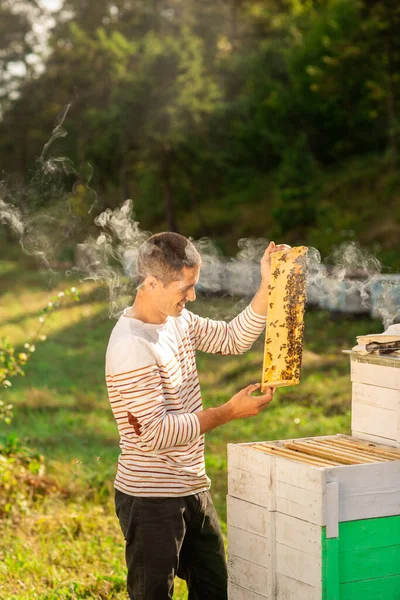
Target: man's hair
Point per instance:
(164, 255)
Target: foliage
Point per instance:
(12, 363)
(23, 479)
(189, 107)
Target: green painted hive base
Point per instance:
(363, 563)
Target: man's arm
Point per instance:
(240, 406)
(240, 334)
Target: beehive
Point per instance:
(314, 519)
(284, 331)
(375, 413)
(319, 518)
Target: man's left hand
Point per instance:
(266, 260)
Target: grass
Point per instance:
(63, 541)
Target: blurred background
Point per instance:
(230, 121)
(223, 118)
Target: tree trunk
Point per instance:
(167, 188)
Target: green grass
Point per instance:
(65, 542)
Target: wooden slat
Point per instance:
(369, 533)
(332, 510)
(247, 516)
(298, 534)
(383, 588)
(300, 475)
(336, 455)
(246, 458)
(375, 420)
(371, 448)
(330, 569)
(367, 491)
(294, 455)
(250, 487)
(361, 435)
(292, 589)
(376, 396)
(249, 546)
(236, 592)
(301, 503)
(248, 575)
(299, 565)
(369, 563)
(365, 371)
(351, 451)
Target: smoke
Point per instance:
(110, 257)
(350, 280)
(10, 215)
(53, 213)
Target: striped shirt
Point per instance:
(151, 372)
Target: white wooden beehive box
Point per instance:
(298, 531)
(375, 412)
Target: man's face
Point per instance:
(173, 296)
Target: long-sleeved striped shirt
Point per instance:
(151, 372)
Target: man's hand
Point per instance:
(240, 406)
(243, 404)
(266, 260)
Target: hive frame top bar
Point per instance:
(279, 444)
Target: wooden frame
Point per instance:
(285, 319)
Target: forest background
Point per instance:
(222, 119)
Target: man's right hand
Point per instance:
(243, 404)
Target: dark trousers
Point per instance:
(172, 536)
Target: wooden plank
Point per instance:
(367, 491)
(369, 563)
(250, 487)
(330, 567)
(374, 419)
(374, 374)
(352, 450)
(383, 588)
(298, 565)
(246, 458)
(298, 534)
(376, 450)
(316, 449)
(332, 510)
(375, 438)
(303, 476)
(369, 533)
(376, 396)
(248, 575)
(301, 503)
(292, 455)
(247, 516)
(272, 555)
(236, 592)
(249, 546)
(290, 589)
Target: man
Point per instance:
(161, 487)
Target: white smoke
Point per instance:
(111, 256)
(349, 280)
